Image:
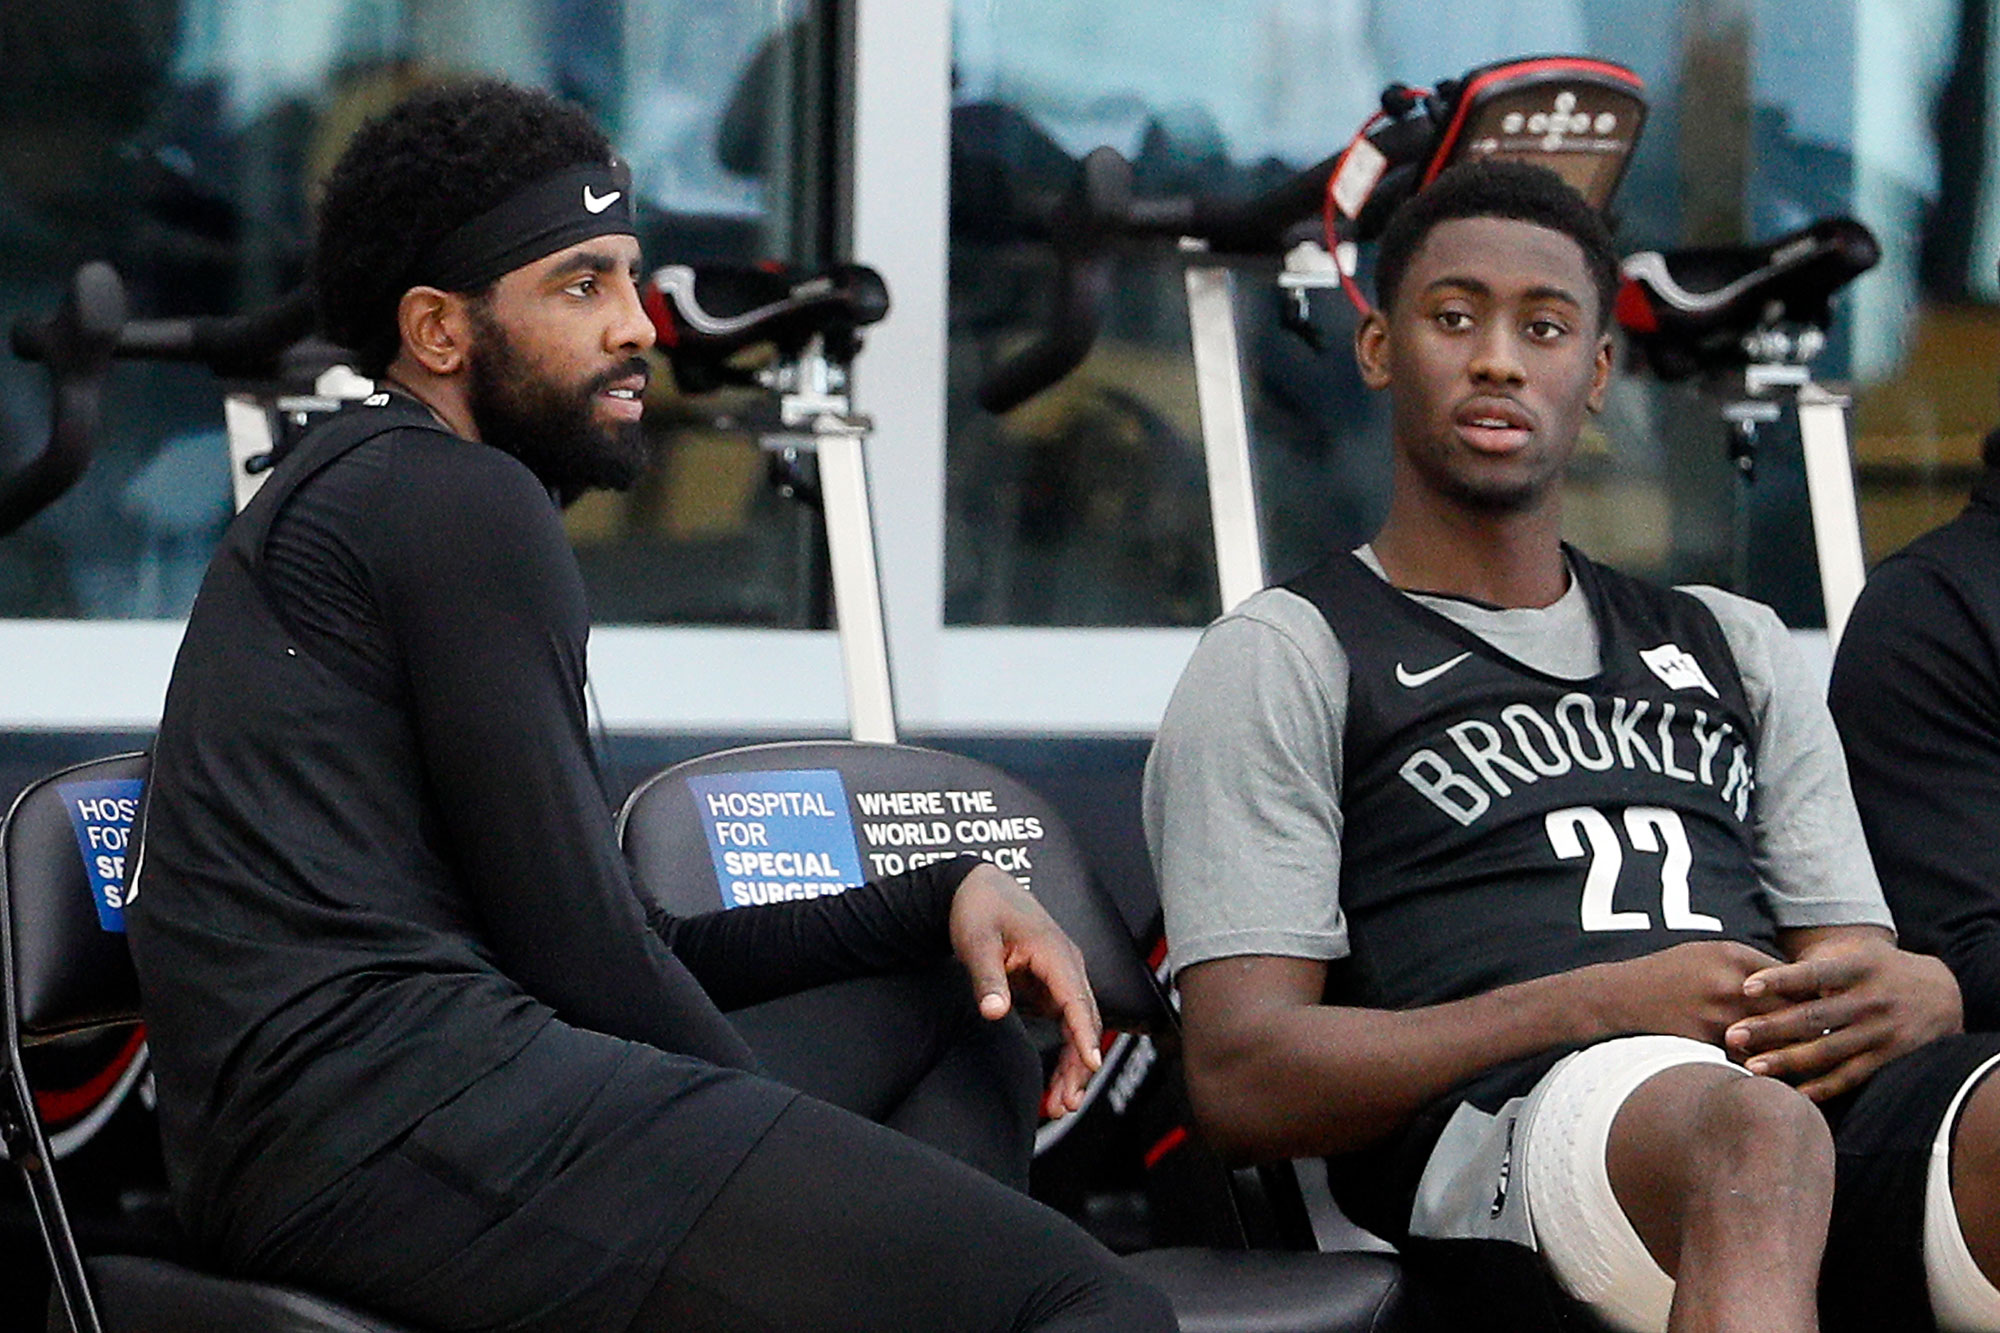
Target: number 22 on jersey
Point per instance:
(1585, 832)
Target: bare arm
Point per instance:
(1274, 1073)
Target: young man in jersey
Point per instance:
(420, 1045)
(1533, 895)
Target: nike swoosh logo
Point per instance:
(597, 203)
(1412, 679)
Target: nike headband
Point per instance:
(573, 205)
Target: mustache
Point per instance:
(623, 370)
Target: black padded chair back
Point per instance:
(62, 876)
(63, 964)
(717, 831)
(898, 799)
(64, 969)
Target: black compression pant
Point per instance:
(910, 1051)
(517, 1205)
(836, 1223)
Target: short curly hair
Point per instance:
(415, 174)
(1497, 188)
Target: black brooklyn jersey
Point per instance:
(1502, 824)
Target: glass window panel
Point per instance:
(1927, 85)
(182, 140)
(1088, 504)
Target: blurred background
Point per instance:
(182, 139)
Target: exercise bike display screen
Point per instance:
(1580, 119)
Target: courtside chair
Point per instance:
(66, 971)
(765, 822)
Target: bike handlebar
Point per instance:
(1097, 212)
(80, 339)
(1082, 222)
(234, 346)
(88, 332)
(1261, 225)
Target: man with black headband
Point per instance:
(419, 1044)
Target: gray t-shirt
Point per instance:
(1242, 795)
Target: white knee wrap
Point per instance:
(1961, 1297)
(1582, 1233)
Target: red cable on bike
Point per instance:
(1329, 223)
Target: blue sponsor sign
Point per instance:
(779, 836)
(101, 812)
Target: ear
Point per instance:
(436, 332)
(1600, 376)
(1371, 349)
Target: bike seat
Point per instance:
(703, 314)
(1692, 308)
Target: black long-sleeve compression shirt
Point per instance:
(378, 856)
(1916, 694)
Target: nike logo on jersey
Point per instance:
(597, 203)
(1677, 669)
(1410, 680)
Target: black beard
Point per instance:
(550, 427)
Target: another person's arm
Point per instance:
(1010, 946)
(1916, 694)
(489, 610)
(481, 594)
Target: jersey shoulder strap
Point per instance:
(1652, 619)
(1349, 596)
(1378, 626)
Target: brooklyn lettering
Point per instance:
(1480, 761)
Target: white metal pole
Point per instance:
(248, 423)
(1836, 515)
(857, 588)
(1225, 432)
